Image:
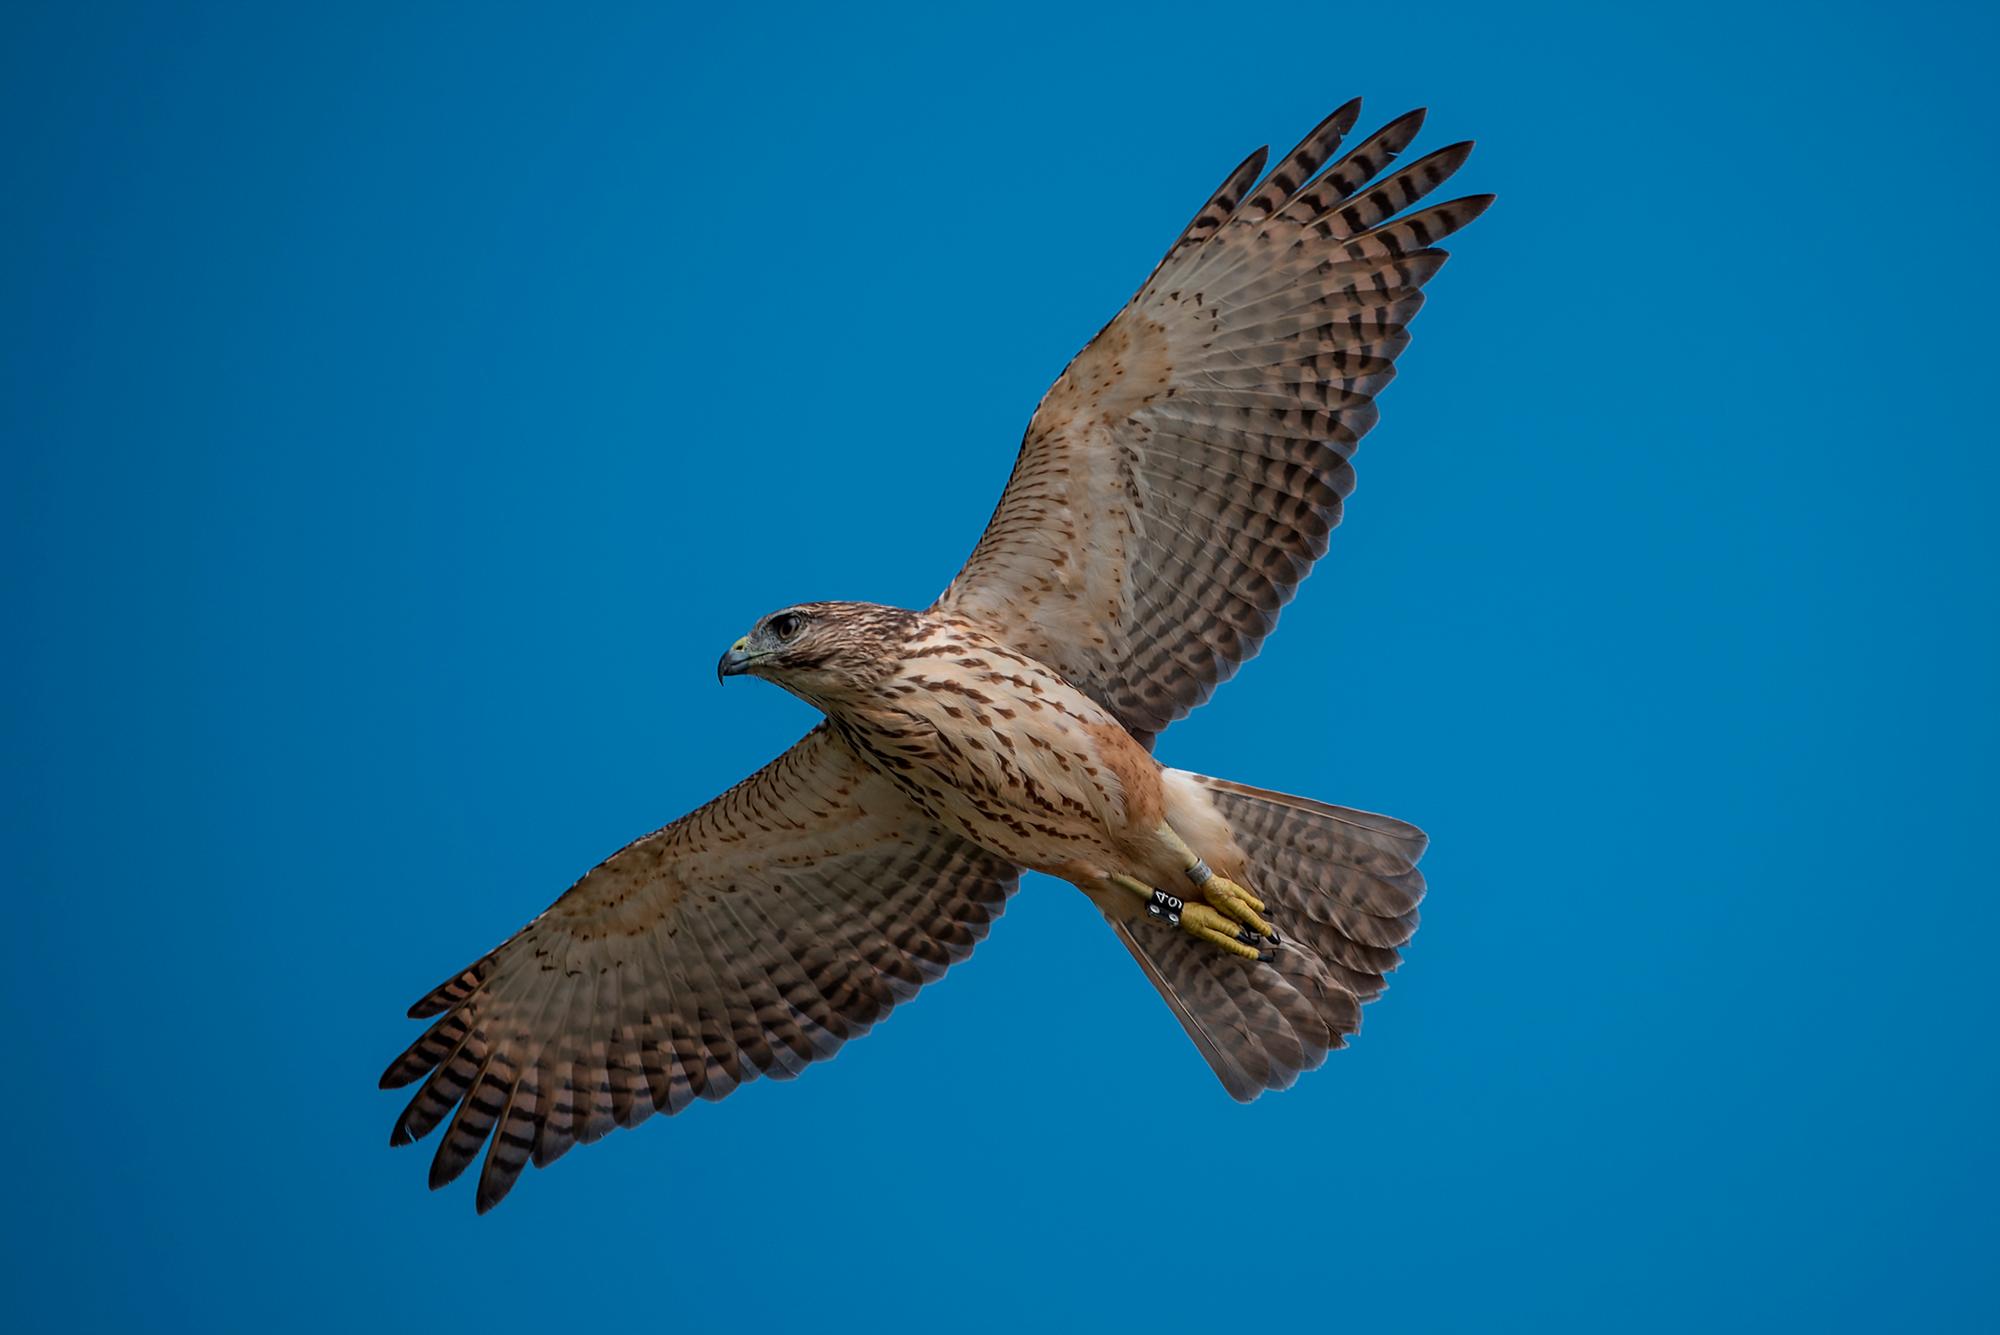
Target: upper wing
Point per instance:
(1182, 475)
(748, 938)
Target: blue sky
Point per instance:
(402, 410)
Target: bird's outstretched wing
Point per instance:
(748, 938)
(1182, 475)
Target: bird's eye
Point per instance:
(786, 624)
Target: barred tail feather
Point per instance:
(1342, 889)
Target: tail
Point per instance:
(1340, 886)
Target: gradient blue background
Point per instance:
(402, 410)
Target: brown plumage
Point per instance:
(1174, 487)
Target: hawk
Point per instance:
(1174, 487)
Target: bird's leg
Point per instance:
(1221, 892)
(1197, 920)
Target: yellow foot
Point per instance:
(1201, 921)
(1238, 903)
(1223, 894)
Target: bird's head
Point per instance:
(824, 653)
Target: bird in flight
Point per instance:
(1174, 487)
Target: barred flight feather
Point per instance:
(694, 961)
(1184, 472)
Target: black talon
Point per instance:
(1266, 956)
(1276, 940)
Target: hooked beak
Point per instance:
(736, 662)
